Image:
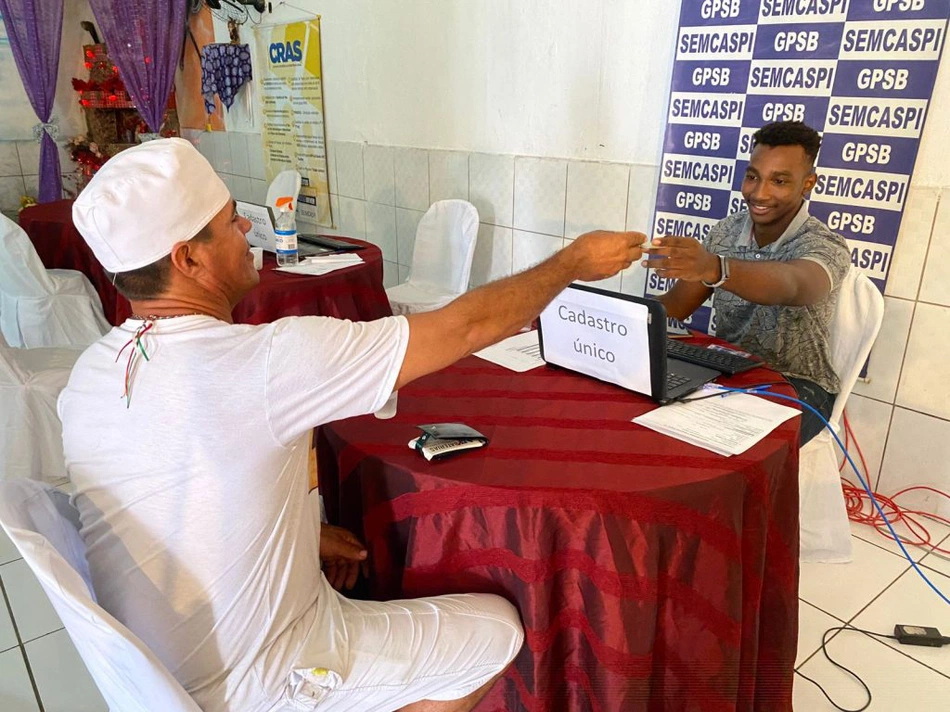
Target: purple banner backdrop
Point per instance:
(861, 72)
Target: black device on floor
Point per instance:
(711, 358)
(920, 635)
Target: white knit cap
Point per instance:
(146, 199)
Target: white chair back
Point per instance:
(43, 526)
(40, 307)
(854, 328)
(10, 371)
(22, 273)
(824, 532)
(445, 246)
(31, 434)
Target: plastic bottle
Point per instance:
(286, 230)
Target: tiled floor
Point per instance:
(40, 669)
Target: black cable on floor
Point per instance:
(824, 649)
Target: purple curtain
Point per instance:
(34, 28)
(144, 40)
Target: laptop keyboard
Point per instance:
(710, 358)
(305, 249)
(327, 244)
(674, 380)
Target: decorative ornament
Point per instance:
(51, 128)
(225, 68)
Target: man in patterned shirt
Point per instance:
(773, 271)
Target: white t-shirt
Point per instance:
(193, 499)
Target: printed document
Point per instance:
(728, 425)
(323, 264)
(520, 352)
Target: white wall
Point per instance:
(534, 77)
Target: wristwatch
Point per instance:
(723, 273)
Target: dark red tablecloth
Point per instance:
(650, 574)
(355, 293)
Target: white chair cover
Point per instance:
(441, 259)
(43, 525)
(825, 535)
(31, 434)
(40, 307)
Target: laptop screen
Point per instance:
(601, 334)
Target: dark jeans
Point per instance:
(819, 399)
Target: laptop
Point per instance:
(262, 233)
(618, 338)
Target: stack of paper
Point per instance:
(728, 425)
(520, 352)
(323, 264)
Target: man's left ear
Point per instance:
(809, 183)
(183, 257)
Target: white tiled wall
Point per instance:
(19, 169)
(596, 197)
(887, 356)
(379, 178)
(901, 415)
(448, 175)
(411, 171)
(237, 157)
(871, 418)
(911, 249)
(491, 187)
(349, 170)
(540, 195)
(379, 193)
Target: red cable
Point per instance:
(864, 464)
(857, 497)
(847, 444)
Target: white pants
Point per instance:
(400, 652)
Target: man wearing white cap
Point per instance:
(187, 439)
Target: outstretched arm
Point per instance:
(490, 313)
(792, 283)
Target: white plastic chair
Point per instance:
(441, 259)
(31, 434)
(40, 307)
(825, 535)
(43, 526)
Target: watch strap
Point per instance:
(723, 273)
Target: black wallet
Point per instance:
(440, 440)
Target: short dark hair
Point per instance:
(789, 133)
(150, 281)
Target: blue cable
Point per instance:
(762, 392)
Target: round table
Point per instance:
(650, 574)
(355, 293)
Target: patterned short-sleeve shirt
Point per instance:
(795, 340)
